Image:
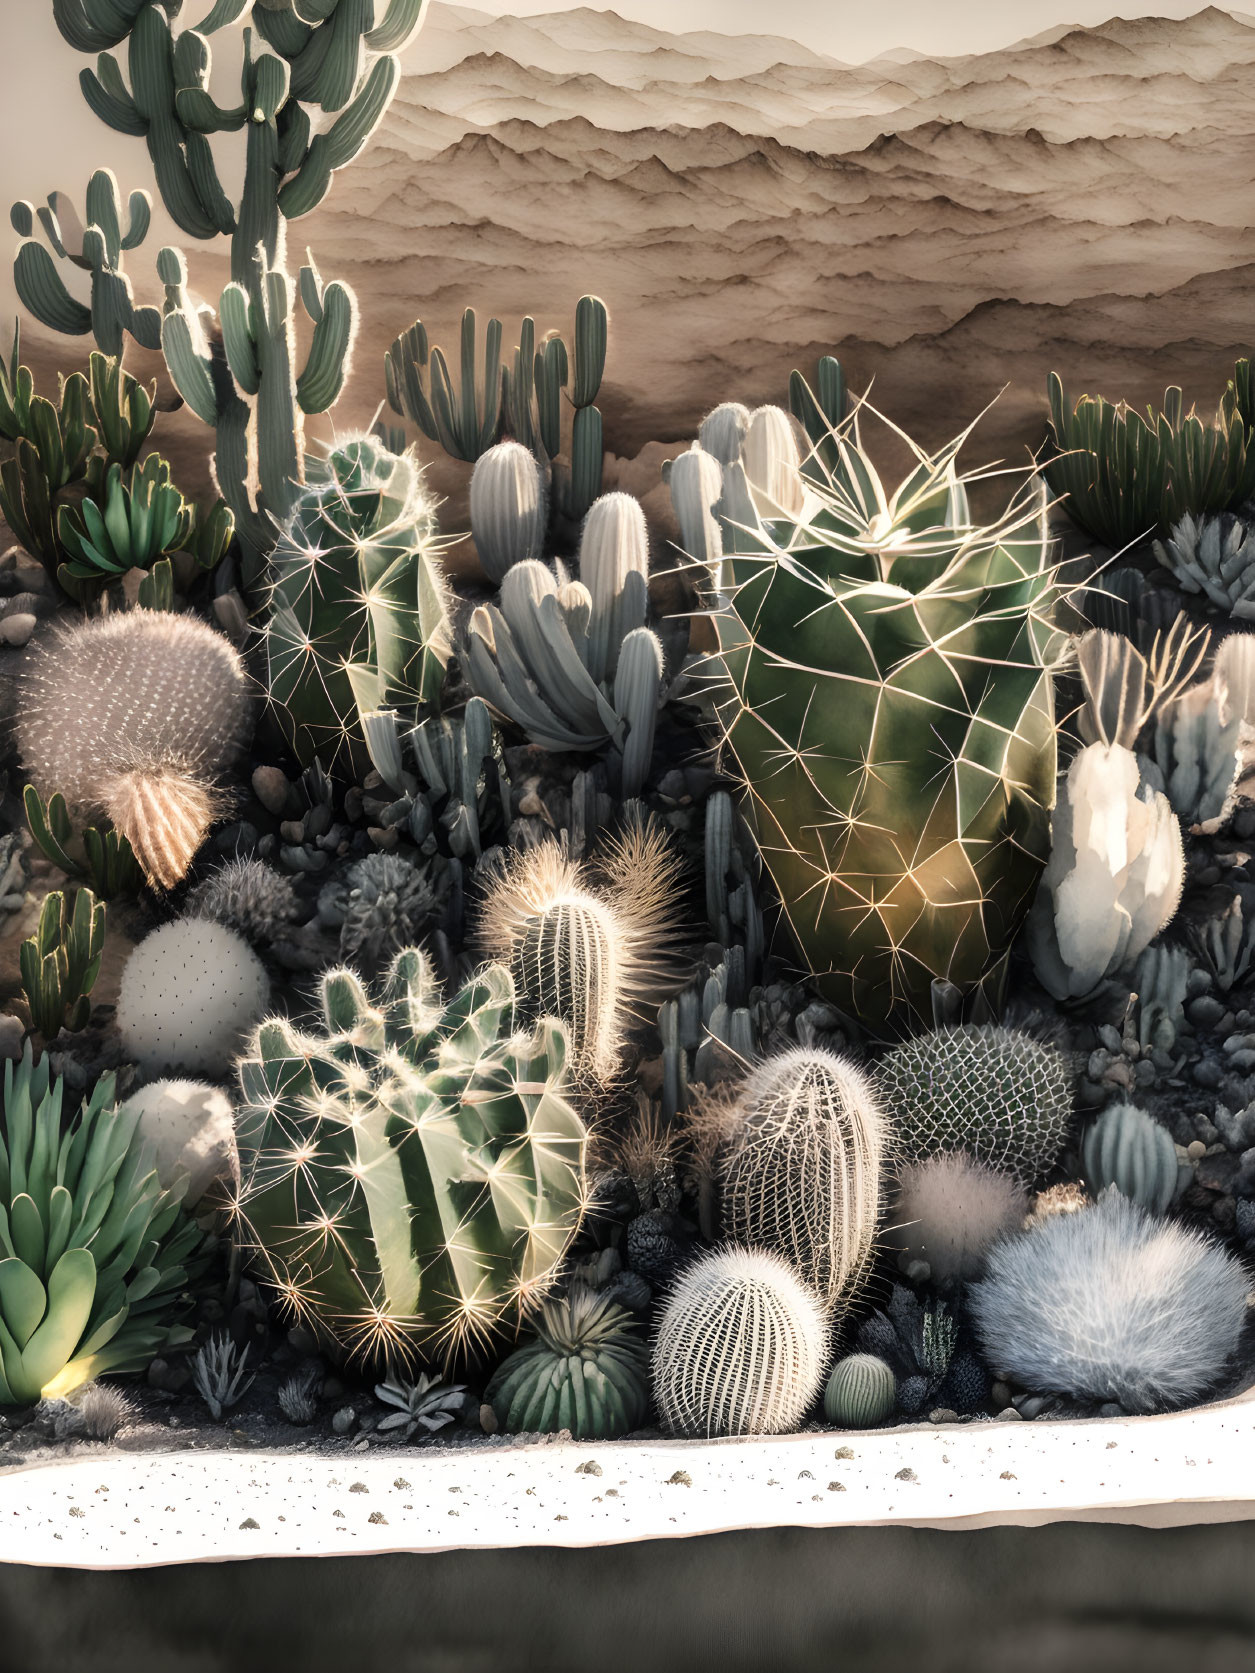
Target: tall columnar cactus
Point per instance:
(416, 1173)
(572, 662)
(889, 702)
(131, 718)
(508, 510)
(358, 618)
(802, 1174)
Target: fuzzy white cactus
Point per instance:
(802, 1172)
(132, 718)
(190, 1127)
(190, 993)
(508, 508)
(1111, 1303)
(773, 466)
(741, 1348)
(950, 1209)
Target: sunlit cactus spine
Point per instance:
(1127, 1148)
(740, 1349)
(508, 509)
(861, 1392)
(358, 612)
(803, 1173)
(415, 1173)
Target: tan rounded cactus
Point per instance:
(802, 1172)
(131, 718)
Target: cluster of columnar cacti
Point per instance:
(416, 1172)
(889, 702)
(357, 612)
(571, 662)
(447, 777)
(61, 961)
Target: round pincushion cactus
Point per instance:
(802, 1175)
(587, 1371)
(189, 994)
(741, 1347)
(861, 1392)
(1000, 1095)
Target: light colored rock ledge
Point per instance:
(138, 1511)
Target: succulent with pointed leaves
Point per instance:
(61, 961)
(1201, 746)
(101, 857)
(437, 1143)
(1213, 558)
(428, 1404)
(586, 1371)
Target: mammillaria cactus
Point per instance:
(740, 1349)
(889, 703)
(98, 1256)
(587, 1371)
(1214, 557)
(190, 992)
(1111, 1303)
(861, 1392)
(508, 510)
(998, 1094)
(248, 896)
(801, 1174)
(586, 942)
(358, 617)
(1126, 1148)
(572, 662)
(415, 1174)
(131, 718)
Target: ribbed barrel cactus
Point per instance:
(412, 1172)
(586, 1371)
(890, 705)
(358, 614)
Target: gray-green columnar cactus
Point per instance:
(325, 65)
(508, 509)
(571, 662)
(95, 1257)
(357, 615)
(413, 1173)
(889, 702)
(448, 776)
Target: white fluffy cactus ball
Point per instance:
(191, 1129)
(741, 1348)
(131, 718)
(190, 993)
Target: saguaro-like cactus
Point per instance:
(358, 618)
(416, 1174)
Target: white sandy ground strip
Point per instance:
(137, 1511)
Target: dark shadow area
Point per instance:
(1069, 1597)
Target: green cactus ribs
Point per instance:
(890, 706)
(416, 1174)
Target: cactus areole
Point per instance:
(890, 706)
(413, 1174)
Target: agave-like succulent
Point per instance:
(428, 1404)
(890, 705)
(587, 1371)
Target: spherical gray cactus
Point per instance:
(862, 1392)
(248, 896)
(1129, 1150)
(507, 508)
(1111, 1303)
(1000, 1095)
(802, 1175)
(388, 905)
(740, 1349)
(948, 1212)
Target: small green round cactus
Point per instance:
(1126, 1148)
(862, 1392)
(587, 1371)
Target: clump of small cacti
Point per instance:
(1111, 1303)
(189, 994)
(918, 1340)
(298, 1396)
(132, 718)
(61, 961)
(740, 1349)
(801, 1173)
(358, 615)
(586, 942)
(997, 1093)
(433, 1138)
(587, 1371)
(860, 1393)
(247, 896)
(1126, 1148)
(388, 904)
(949, 1210)
(221, 1374)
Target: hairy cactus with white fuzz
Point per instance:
(950, 1209)
(741, 1347)
(802, 1173)
(508, 508)
(132, 718)
(1111, 1303)
(190, 1128)
(189, 994)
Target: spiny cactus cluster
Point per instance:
(415, 1172)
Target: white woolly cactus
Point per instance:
(994, 1092)
(741, 1348)
(508, 508)
(773, 466)
(586, 943)
(132, 718)
(191, 1129)
(1111, 1303)
(802, 1173)
(950, 1209)
(189, 994)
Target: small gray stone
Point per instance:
(345, 1421)
(17, 628)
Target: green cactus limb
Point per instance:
(822, 411)
(465, 423)
(587, 461)
(60, 962)
(101, 858)
(95, 25)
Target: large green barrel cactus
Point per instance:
(890, 706)
(358, 615)
(412, 1173)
